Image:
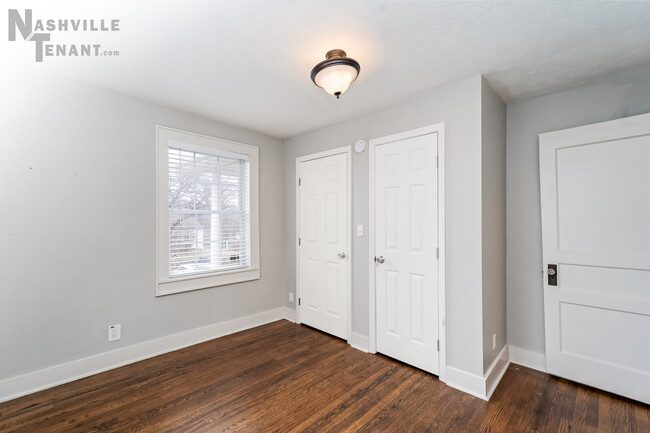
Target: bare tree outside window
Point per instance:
(209, 212)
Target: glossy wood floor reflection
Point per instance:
(284, 377)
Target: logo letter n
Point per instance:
(16, 22)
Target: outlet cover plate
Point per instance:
(114, 332)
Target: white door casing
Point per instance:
(405, 242)
(595, 200)
(323, 252)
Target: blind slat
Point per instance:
(209, 212)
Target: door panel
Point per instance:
(595, 191)
(600, 184)
(406, 237)
(323, 222)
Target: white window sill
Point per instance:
(197, 282)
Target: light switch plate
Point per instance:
(360, 230)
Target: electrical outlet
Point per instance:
(114, 332)
(290, 296)
(494, 341)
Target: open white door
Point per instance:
(406, 241)
(323, 250)
(595, 194)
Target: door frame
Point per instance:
(336, 151)
(442, 333)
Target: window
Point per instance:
(207, 221)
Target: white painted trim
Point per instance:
(323, 154)
(331, 152)
(297, 288)
(438, 128)
(442, 245)
(528, 358)
(290, 314)
(466, 382)
(481, 387)
(350, 234)
(359, 342)
(408, 134)
(49, 377)
(372, 269)
(165, 284)
(496, 371)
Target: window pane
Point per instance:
(209, 212)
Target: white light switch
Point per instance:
(360, 230)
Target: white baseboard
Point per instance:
(496, 371)
(466, 382)
(480, 386)
(290, 314)
(34, 381)
(528, 358)
(359, 342)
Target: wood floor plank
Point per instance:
(530, 393)
(283, 377)
(350, 406)
(585, 415)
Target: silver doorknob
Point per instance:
(341, 255)
(379, 259)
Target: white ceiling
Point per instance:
(247, 62)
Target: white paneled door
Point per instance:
(406, 240)
(323, 244)
(595, 194)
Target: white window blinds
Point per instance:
(209, 211)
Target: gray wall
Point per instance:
(623, 95)
(459, 106)
(493, 174)
(77, 253)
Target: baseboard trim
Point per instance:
(290, 314)
(528, 358)
(359, 342)
(480, 386)
(496, 371)
(49, 377)
(466, 382)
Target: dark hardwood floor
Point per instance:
(284, 377)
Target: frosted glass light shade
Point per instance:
(336, 79)
(335, 73)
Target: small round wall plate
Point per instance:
(360, 146)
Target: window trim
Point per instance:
(166, 285)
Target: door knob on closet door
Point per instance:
(379, 260)
(341, 255)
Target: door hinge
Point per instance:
(437, 253)
(299, 299)
(437, 162)
(299, 241)
(299, 181)
(438, 345)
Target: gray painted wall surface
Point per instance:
(459, 106)
(77, 237)
(493, 174)
(623, 95)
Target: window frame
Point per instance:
(165, 284)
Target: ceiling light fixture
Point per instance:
(335, 73)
